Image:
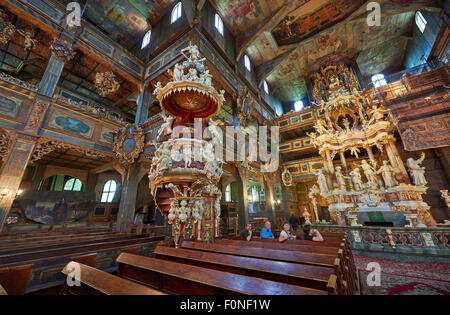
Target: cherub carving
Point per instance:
(29, 43)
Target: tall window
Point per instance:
(218, 23)
(109, 189)
(146, 39)
(73, 184)
(298, 106)
(378, 80)
(266, 87)
(420, 21)
(247, 63)
(228, 193)
(176, 12)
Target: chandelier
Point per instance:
(106, 83)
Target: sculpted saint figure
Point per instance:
(340, 178)
(166, 127)
(387, 172)
(417, 172)
(370, 174)
(377, 114)
(356, 179)
(321, 181)
(178, 72)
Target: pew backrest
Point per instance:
(15, 279)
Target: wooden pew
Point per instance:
(86, 259)
(331, 261)
(315, 277)
(97, 282)
(15, 279)
(177, 278)
(3, 291)
(340, 251)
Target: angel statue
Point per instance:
(166, 127)
(158, 87)
(370, 174)
(206, 78)
(321, 181)
(417, 172)
(321, 127)
(356, 179)
(376, 113)
(387, 172)
(29, 43)
(177, 73)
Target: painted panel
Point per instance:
(63, 122)
(107, 135)
(9, 106)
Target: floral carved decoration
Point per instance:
(7, 29)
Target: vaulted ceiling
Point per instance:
(126, 21)
(286, 40)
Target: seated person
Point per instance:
(247, 233)
(311, 234)
(266, 232)
(286, 233)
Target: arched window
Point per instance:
(298, 106)
(378, 80)
(176, 12)
(218, 23)
(73, 184)
(247, 63)
(146, 39)
(109, 190)
(420, 21)
(266, 87)
(228, 193)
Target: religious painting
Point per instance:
(9, 106)
(56, 207)
(107, 135)
(297, 26)
(63, 122)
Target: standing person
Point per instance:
(294, 221)
(311, 234)
(285, 233)
(247, 233)
(266, 232)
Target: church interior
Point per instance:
(211, 147)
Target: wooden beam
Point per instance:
(266, 69)
(266, 25)
(190, 10)
(200, 5)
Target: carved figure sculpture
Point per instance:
(356, 179)
(166, 127)
(387, 172)
(321, 181)
(340, 178)
(417, 172)
(371, 176)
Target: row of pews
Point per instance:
(28, 259)
(258, 267)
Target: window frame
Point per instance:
(247, 63)
(266, 87)
(176, 12)
(145, 41)
(218, 23)
(108, 191)
(75, 181)
(228, 196)
(378, 80)
(421, 22)
(301, 108)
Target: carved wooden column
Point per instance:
(131, 179)
(270, 209)
(395, 160)
(13, 171)
(242, 197)
(344, 165)
(143, 103)
(329, 168)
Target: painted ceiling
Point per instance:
(312, 32)
(126, 21)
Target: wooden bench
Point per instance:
(315, 277)
(178, 278)
(331, 261)
(15, 279)
(97, 282)
(86, 259)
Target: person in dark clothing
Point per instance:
(247, 233)
(294, 222)
(311, 234)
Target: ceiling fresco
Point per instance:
(126, 21)
(320, 31)
(297, 25)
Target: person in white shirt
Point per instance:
(285, 233)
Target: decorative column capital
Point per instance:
(61, 49)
